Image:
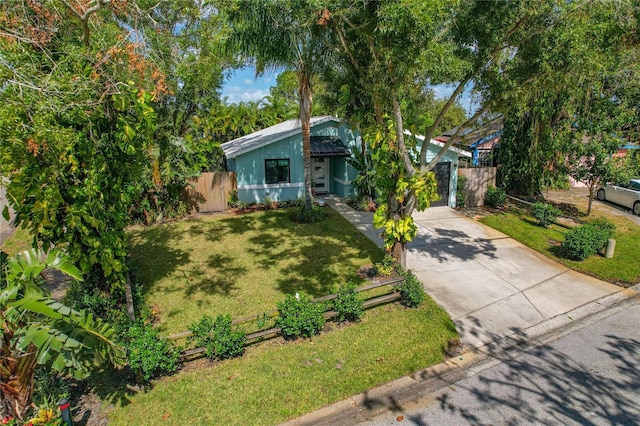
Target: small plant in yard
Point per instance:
(299, 316)
(585, 240)
(545, 213)
(269, 204)
(411, 292)
(218, 338)
(348, 306)
(148, 354)
(386, 267)
(233, 199)
(316, 214)
(495, 197)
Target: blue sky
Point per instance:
(243, 85)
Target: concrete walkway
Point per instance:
(491, 285)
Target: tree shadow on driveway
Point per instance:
(448, 244)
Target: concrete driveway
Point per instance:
(491, 285)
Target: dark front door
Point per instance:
(443, 174)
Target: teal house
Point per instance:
(269, 163)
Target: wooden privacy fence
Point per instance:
(258, 335)
(211, 191)
(478, 180)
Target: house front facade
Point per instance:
(269, 163)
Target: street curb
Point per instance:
(410, 390)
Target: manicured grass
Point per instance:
(243, 265)
(276, 381)
(623, 268)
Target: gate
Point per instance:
(442, 171)
(211, 191)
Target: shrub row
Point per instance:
(150, 355)
(586, 240)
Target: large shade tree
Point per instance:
(76, 129)
(391, 49)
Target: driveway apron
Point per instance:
(491, 285)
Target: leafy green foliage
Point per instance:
(586, 240)
(348, 306)
(299, 316)
(218, 338)
(38, 330)
(545, 213)
(49, 387)
(365, 181)
(386, 267)
(495, 197)
(303, 215)
(411, 292)
(148, 354)
(404, 190)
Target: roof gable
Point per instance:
(269, 135)
(460, 152)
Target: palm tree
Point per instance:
(38, 330)
(281, 34)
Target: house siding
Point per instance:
(249, 167)
(251, 180)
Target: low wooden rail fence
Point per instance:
(527, 205)
(190, 354)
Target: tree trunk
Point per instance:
(305, 98)
(16, 382)
(128, 295)
(399, 253)
(591, 189)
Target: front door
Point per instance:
(320, 174)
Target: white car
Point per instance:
(625, 194)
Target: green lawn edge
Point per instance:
(623, 269)
(277, 381)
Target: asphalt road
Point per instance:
(588, 375)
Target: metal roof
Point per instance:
(264, 137)
(460, 152)
(328, 146)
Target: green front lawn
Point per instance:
(243, 265)
(276, 381)
(623, 268)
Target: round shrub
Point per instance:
(495, 197)
(545, 213)
(148, 354)
(585, 240)
(218, 338)
(299, 316)
(411, 292)
(348, 306)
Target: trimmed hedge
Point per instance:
(586, 240)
